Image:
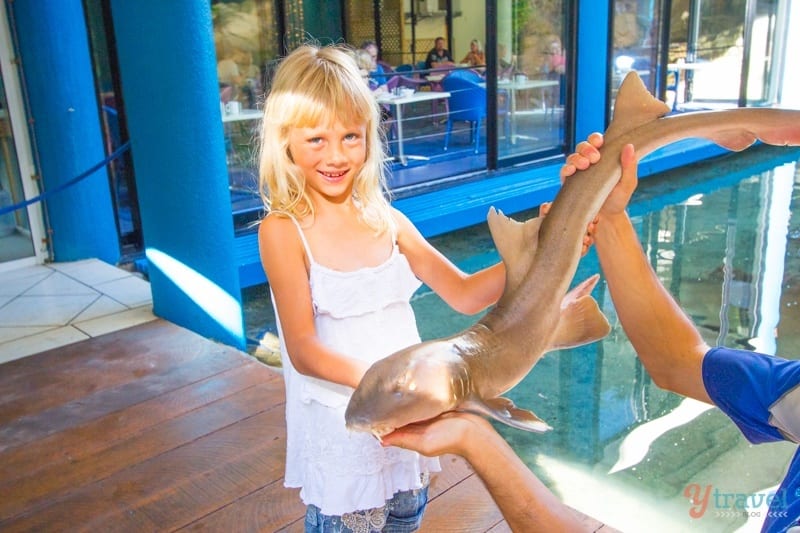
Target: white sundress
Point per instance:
(365, 314)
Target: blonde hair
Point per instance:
(363, 60)
(313, 86)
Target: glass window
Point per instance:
(15, 230)
(112, 112)
(636, 43)
(246, 39)
(532, 70)
(705, 54)
(714, 47)
(763, 61)
(432, 132)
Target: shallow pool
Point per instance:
(724, 240)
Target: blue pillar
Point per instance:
(65, 125)
(592, 67)
(171, 96)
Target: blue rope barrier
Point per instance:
(118, 152)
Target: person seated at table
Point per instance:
(475, 57)
(439, 56)
(376, 71)
(553, 67)
(236, 70)
(505, 65)
(365, 65)
(555, 61)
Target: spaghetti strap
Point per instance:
(302, 235)
(303, 238)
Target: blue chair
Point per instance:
(466, 74)
(405, 68)
(467, 103)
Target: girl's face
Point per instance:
(330, 157)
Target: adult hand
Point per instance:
(587, 153)
(450, 432)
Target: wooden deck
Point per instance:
(155, 428)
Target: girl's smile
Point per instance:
(329, 156)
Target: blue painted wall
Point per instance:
(591, 76)
(65, 125)
(169, 79)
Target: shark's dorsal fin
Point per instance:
(633, 106)
(581, 320)
(516, 243)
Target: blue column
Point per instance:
(592, 67)
(65, 125)
(171, 96)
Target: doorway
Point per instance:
(22, 228)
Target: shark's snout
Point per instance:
(409, 386)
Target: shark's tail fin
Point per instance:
(581, 320)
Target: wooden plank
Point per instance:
(172, 489)
(42, 417)
(32, 490)
(85, 440)
(271, 508)
(157, 337)
(454, 471)
(104, 365)
(477, 511)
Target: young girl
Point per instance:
(342, 266)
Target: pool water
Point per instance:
(724, 239)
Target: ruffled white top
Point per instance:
(365, 314)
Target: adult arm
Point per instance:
(525, 502)
(665, 339)
(287, 272)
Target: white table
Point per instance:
(397, 102)
(233, 121)
(515, 85)
(680, 69)
(244, 114)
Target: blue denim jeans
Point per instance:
(401, 514)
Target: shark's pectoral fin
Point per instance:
(503, 410)
(516, 243)
(584, 288)
(581, 320)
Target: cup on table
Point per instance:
(233, 108)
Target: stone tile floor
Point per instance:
(47, 306)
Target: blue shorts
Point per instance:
(401, 514)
